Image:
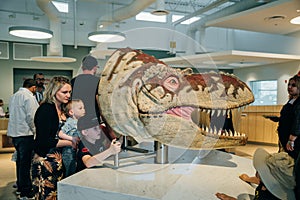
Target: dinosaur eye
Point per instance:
(171, 83)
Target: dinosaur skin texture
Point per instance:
(144, 98)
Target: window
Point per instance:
(146, 16)
(265, 92)
(188, 21)
(61, 6)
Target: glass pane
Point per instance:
(146, 16)
(265, 92)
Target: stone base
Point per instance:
(188, 175)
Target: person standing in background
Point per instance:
(85, 86)
(292, 144)
(22, 107)
(40, 88)
(2, 113)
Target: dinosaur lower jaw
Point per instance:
(176, 131)
(213, 128)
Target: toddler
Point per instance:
(74, 109)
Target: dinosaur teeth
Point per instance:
(230, 133)
(220, 132)
(206, 129)
(227, 112)
(213, 112)
(215, 130)
(224, 112)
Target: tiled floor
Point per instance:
(8, 175)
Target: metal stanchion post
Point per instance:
(116, 161)
(161, 153)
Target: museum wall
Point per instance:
(280, 72)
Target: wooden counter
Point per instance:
(5, 142)
(258, 128)
(3, 123)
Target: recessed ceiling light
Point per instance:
(275, 19)
(160, 12)
(214, 62)
(245, 64)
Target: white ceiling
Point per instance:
(230, 59)
(270, 18)
(262, 17)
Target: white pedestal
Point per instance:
(192, 175)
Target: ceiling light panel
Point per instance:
(30, 32)
(106, 36)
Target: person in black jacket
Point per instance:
(287, 122)
(47, 166)
(293, 135)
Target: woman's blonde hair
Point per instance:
(55, 84)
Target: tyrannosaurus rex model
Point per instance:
(142, 97)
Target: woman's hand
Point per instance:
(290, 145)
(75, 141)
(115, 147)
(291, 142)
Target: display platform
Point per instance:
(189, 175)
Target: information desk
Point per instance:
(5, 141)
(189, 175)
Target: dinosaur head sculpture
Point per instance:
(142, 97)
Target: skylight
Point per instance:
(188, 21)
(61, 6)
(176, 17)
(218, 8)
(147, 16)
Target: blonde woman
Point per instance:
(47, 168)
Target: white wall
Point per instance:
(280, 72)
(6, 73)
